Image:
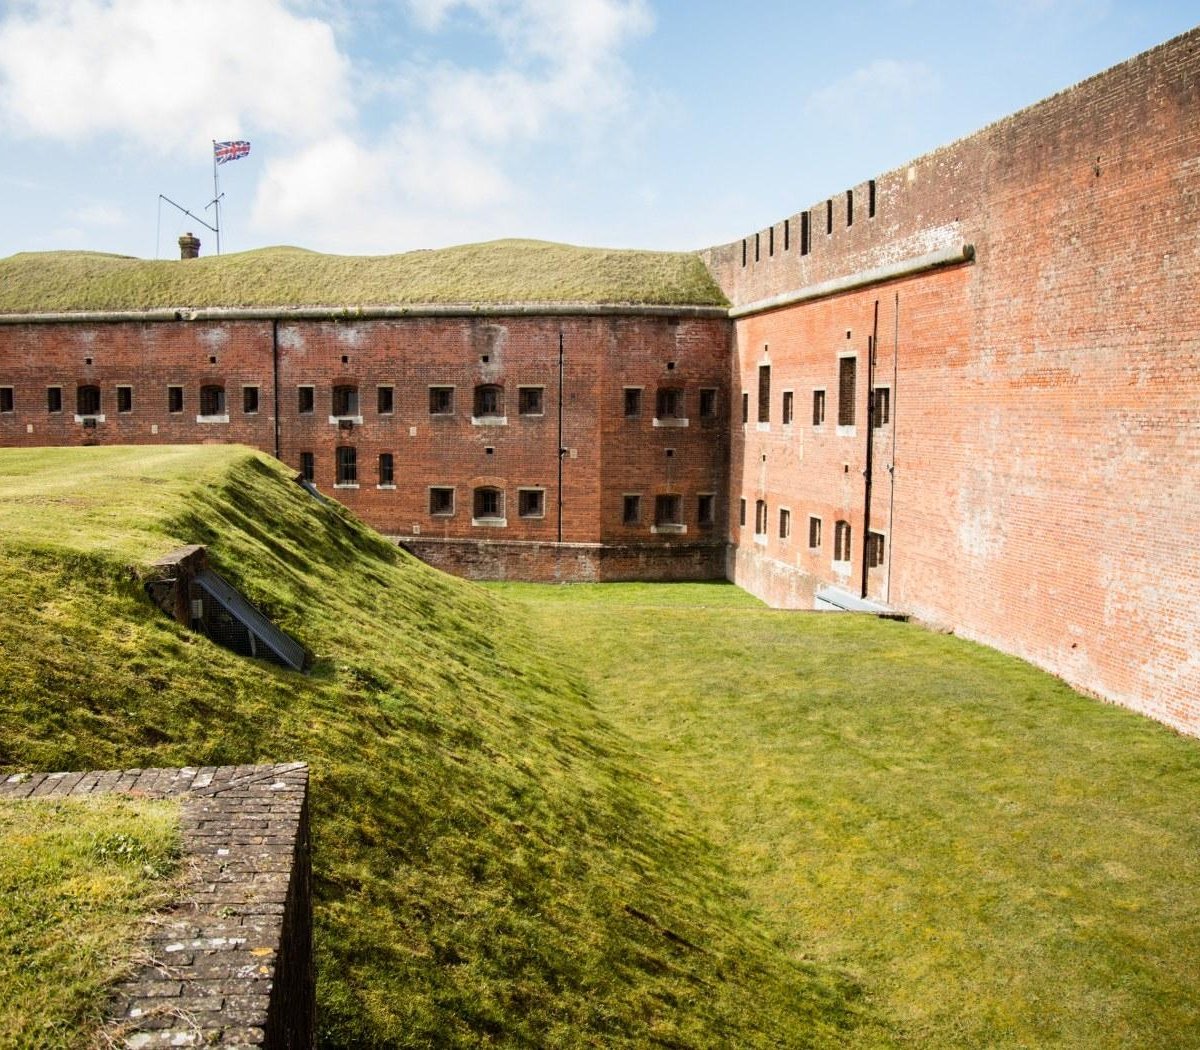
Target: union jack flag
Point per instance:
(224, 152)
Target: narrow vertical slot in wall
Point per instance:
(787, 234)
(849, 207)
(829, 216)
(804, 236)
(871, 199)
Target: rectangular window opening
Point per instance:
(760, 517)
(345, 401)
(742, 512)
(387, 469)
(124, 399)
(441, 501)
(250, 400)
(818, 408)
(745, 406)
(306, 400)
(174, 399)
(883, 405)
(212, 400)
(705, 504)
(308, 466)
(708, 403)
(788, 408)
(669, 403)
(529, 401)
(785, 523)
(847, 380)
(347, 465)
(633, 401)
(841, 541)
(7, 401)
(875, 549)
(668, 510)
(764, 393)
(814, 532)
(631, 509)
(441, 400)
(531, 503)
(54, 399)
(386, 400)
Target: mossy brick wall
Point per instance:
(1047, 427)
(231, 963)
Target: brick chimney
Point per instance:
(189, 246)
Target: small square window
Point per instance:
(175, 399)
(708, 403)
(531, 503)
(54, 399)
(345, 401)
(785, 523)
(124, 399)
(489, 401)
(705, 503)
(883, 405)
(631, 510)
(387, 469)
(306, 400)
(6, 399)
(212, 400)
(489, 504)
(818, 408)
(633, 401)
(669, 403)
(668, 510)
(814, 532)
(87, 400)
(347, 466)
(308, 467)
(529, 401)
(250, 400)
(789, 408)
(441, 400)
(386, 403)
(441, 501)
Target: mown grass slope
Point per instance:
(509, 271)
(998, 860)
(77, 878)
(495, 863)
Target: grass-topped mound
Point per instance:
(497, 272)
(78, 878)
(494, 863)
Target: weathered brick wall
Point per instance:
(231, 963)
(604, 453)
(1046, 425)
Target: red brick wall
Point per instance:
(601, 354)
(1047, 423)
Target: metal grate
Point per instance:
(229, 620)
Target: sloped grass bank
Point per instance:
(494, 863)
(998, 860)
(77, 878)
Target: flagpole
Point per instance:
(216, 197)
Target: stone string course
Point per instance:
(231, 963)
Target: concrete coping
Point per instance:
(231, 962)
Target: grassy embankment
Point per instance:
(997, 860)
(510, 271)
(494, 865)
(76, 879)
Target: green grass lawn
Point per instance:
(77, 881)
(508, 271)
(996, 860)
(494, 863)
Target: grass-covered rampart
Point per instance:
(495, 862)
(496, 272)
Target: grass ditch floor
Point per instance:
(995, 859)
(78, 877)
(495, 863)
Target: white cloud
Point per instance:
(452, 163)
(886, 86)
(167, 73)
(98, 214)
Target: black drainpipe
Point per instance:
(275, 385)
(866, 545)
(561, 451)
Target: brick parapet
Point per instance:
(231, 963)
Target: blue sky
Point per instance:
(388, 125)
